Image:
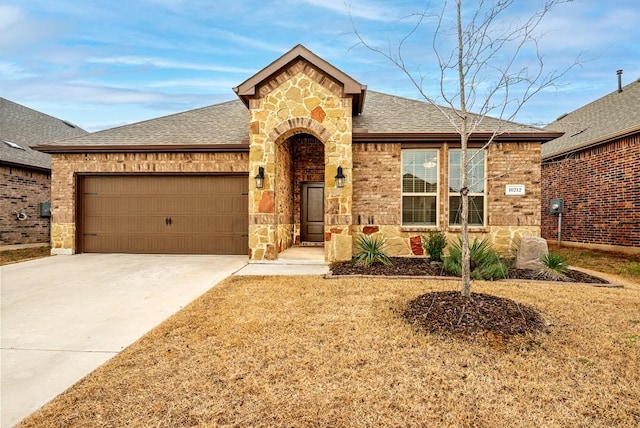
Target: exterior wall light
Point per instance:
(340, 178)
(260, 178)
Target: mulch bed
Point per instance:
(450, 312)
(405, 266)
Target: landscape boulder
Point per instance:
(530, 251)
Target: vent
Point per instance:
(579, 132)
(14, 145)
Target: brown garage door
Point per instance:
(164, 214)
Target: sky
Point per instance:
(104, 63)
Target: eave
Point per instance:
(146, 148)
(25, 166)
(592, 143)
(539, 137)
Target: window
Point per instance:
(476, 184)
(419, 187)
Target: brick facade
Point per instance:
(23, 188)
(600, 187)
(377, 195)
(66, 167)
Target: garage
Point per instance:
(168, 214)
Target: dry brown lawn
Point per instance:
(15, 256)
(625, 265)
(311, 352)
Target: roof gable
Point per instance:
(350, 87)
(612, 116)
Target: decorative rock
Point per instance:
(530, 251)
(318, 114)
(416, 245)
(266, 202)
(368, 230)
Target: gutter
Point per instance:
(362, 136)
(144, 148)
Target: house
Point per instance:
(25, 173)
(594, 168)
(305, 156)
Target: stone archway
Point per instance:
(299, 94)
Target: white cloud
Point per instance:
(364, 10)
(160, 63)
(194, 83)
(9, 70)
(9, 15)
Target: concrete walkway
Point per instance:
(63, 316)
(292, 261)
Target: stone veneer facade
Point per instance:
(300, 99)
(66, 167)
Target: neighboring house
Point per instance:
(334, 160)
(595, 169)
(25, 173)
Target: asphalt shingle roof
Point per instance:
(225, 123)
(25, 128)
(615, 114)
(384, 113)
(228, 123)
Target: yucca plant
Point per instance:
(555, 266)
(371, 251)
(434, 245)
(485, 261)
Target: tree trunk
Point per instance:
(464, 180)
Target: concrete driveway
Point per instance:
(63, 316)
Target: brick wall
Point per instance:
(308, 155)
(601, 191)
(377, 195)
(23, 188)
(65, 167)
(513, 163)
(376, 183)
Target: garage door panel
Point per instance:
(165, 214)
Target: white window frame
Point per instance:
(434, 194)
(471, 154)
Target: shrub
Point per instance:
(555, 266)
(434, 245)
(485, 261)
(371, 251)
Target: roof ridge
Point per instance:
(562, 117)
(66, 122)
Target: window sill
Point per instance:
(418, 228)
(475, 229)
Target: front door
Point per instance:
(312, 212)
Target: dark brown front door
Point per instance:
(312, 222)
(164, 214)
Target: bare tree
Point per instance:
(497, 66)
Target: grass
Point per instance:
(624, 265)
(14, 256)
(304, 351)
